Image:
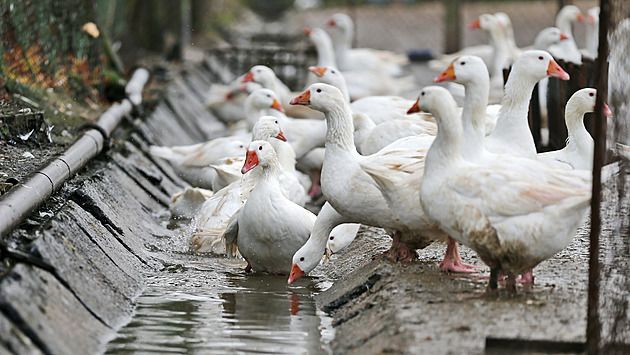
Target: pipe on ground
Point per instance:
(26, 197)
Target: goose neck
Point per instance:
(473, 116)
(340, 129)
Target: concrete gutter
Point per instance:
(24, 198)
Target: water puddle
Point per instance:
(208, 305)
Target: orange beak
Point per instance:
(319, 71)
(296, 273)
(303, 99)
(332, 23)
(563, 36)
(248, 77)
(308, 31)
(607, 111)
(476, 24)
(281, 137)
(447, 75)
(414, 108)
(554, 70)
(251, 161)
(277, 105)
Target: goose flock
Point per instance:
(424, 170)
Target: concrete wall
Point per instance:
(99, 239)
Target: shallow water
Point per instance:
(207, 305)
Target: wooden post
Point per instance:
(593, 323)
(452, 25)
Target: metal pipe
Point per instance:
(26, 197)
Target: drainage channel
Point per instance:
(206, 304)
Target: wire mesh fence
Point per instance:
(44, 43)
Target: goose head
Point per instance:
(262, 99)
(260, 74)
(548, 37)
(267, 127)
(320, 97)
(303, 263)
(592, 15)
(431, 98)
(329, 75)
(539, 64)
(568, 15)
(583, 101)
(486, 22)
(464, 69)
(342, 21)
(259, 153)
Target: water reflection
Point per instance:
(211, 307)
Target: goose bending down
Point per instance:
(578, 153)
(512, 219)
(567, 50)
(349, 185)
(360, 83)
(266, 77)
(209, 224)
(186, 203)
(192, 161)
(350, 59)
(369, 138)
(269, 228)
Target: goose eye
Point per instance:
(302, 259)
(276, 122)
(260, 148)
(319, 90)
(463, 63)
(332, 237)
(591, 94)
(332, 71)
(422, 93)
(541, 58)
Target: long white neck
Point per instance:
(564, 23)
(500, 51)
(474, 117)
(512, 126)
(448, 143)
(340, 129)
(343, 46)
(325, 52)
(271, 171)
(286, 154)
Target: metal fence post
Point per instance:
(452, 21)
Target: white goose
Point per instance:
(266, 77)
(209, 224)
(511, 133)
(567, 50)
(360, 83)
(352, 191)
(578, 153)
(192, 161)
(592, 33)
(380, 109)
(306, 134)
(508, 33)
(269, 228)
(351, 59)
(511, 219)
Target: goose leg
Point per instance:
(493, 282)
(316, 188)
(510, 284)
(453, 261)
(399, 251)
(527, 277)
